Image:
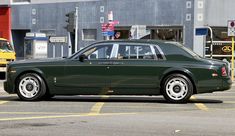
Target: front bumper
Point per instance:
(9, 88)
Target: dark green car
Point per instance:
(128, 67)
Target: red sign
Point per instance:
(107, 27)
(115, 22)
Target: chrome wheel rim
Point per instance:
(177, 88)
(29, 87)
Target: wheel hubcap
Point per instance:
(29, 87)
(177, 88)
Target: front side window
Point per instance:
(98, 52)
(136, 52)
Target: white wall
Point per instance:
(4, 2)
(217, 12)
(57, 1)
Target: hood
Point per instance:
(31, 61)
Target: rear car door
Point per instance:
(136, 69)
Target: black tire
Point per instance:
(30, 87)
(177, 88)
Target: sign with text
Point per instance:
(231, 27)
(201, 31)
(57, 39)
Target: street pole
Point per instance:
(69, 45)
(76, 29)
(232, 75)
(211, 40)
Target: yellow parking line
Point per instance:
(3, 102)
(200, 106)
(98, 106)
(63, 116)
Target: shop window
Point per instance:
(169, 34)
(89, 34)
(221, 48)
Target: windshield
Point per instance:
(5, 45)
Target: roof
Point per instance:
(134, 41)
(144, 41)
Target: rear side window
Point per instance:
(158, 54)
(175, 52)
(136, 52)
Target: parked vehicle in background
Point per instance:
(120, 67)
(7, 54)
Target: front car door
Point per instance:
(88, 76)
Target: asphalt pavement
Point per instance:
(210, 114)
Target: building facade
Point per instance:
(174, 20)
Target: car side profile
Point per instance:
(120, 67)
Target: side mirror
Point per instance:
(82, 57)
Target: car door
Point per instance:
(136, 69)
(87, 76)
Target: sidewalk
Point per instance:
(2, 92)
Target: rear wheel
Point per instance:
(30, 87)
(177, 88)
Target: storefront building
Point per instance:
(174, 20)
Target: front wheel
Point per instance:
(177, 88)
(30, 87)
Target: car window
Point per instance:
(135, 52)
(4, 45)
(98, 52)
(158, 54)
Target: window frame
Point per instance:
(114, 51)
(143, 44)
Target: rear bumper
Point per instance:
(227, 84)
(215, 85)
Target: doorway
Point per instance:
(18, 41)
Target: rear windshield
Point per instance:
(5, 46)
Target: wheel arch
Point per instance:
(36, 71)
(184, 72)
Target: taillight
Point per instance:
(223, 71)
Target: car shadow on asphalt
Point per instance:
(112, 99)
(208, 101)
(125, 99)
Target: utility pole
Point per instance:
(76, 29)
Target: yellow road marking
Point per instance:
(98, 106)
(62, 116)
(200, 106)
(33, 113)
(3, 102)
